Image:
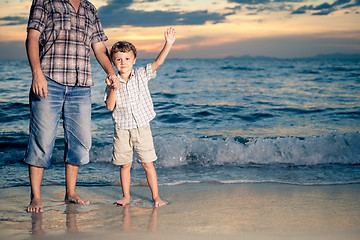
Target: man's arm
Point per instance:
(102, 56)
(170, 37)
(39, 83)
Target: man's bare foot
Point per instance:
(124, 201)
(35, 206)
(75, 198)
(158, 202)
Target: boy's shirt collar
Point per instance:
(131, 76)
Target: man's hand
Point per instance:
(39, 85)
(113, 81)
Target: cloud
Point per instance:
(13, 20)
(259, 6)
(326, 8)
(321, 9)
(250, 2)
(258, 2)
(117, 14)
(354, 4)
(150, 1)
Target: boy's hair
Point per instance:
(122, 46)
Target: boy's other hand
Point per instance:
(170, 35)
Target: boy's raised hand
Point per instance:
(170, 35)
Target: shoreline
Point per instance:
(200, 211)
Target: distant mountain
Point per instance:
(338, 56)
(319, 56)
(251, 57)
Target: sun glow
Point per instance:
(211, 27)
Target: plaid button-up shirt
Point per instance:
(66, 38)
(134, 107)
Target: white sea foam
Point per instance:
(327, 149)
(174, 151)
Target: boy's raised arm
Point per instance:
(170, 37)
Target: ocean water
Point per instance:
(222, 121)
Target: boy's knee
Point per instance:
(127, 165)
(147, 165)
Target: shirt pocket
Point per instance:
(58, 19)
(62, 21)
(60, 16)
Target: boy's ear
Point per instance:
(135, 60)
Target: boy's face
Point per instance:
(124, 62)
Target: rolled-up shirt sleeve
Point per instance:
(146, 73)
(38, 16)
(99, 34)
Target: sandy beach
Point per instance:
(194, 211)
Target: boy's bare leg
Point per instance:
(153, 184)
(125, 177)
(35, 174)
(71, 172)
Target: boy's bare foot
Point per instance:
(35, 206)
(158, 202)
(75, 198)
(124, 201)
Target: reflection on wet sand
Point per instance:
(152, 223)
(71, 225)
(247, 211)
(36, 224)
(72, 210)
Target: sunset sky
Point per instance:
(212, 28)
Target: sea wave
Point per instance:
(175, 150)
(210, 151)
(331, 159)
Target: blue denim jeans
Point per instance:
(73, 104)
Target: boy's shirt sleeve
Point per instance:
(149, 71)
(146, 73)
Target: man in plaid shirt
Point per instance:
(60, 35)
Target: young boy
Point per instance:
(132, 107)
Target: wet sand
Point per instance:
(194, 211)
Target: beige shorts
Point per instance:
(125, 140)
